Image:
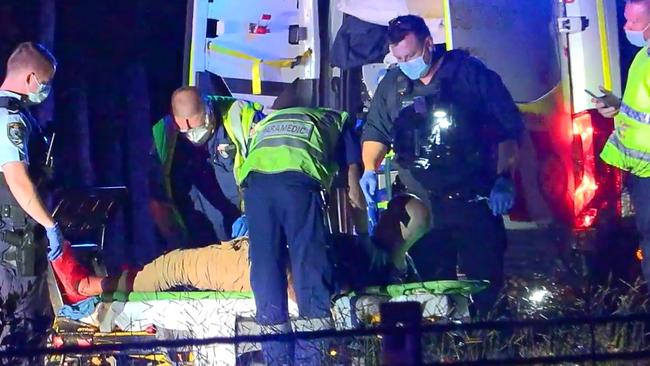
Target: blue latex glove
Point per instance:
(502, 196)
(368, 183)
(373, 218)
(55, 239)
(240, 227)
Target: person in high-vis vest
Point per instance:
(195, 198)
(628, 147)
(289, 160)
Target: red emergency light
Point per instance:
(586, 219)
(585, 186)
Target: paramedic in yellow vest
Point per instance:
(628, 148)
(291, 158)
(196, 199)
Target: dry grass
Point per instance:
(561, 301)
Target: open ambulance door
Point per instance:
(522, 43)
(547, 52)
(258, 50)
(594, 60)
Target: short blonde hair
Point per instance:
(32, 56)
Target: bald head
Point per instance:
(188, 107)
(637, 17)
(30, 65)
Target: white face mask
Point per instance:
(636, 38)
(42, 91)
(200, 134)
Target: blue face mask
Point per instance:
(42, 91)
(416, 68)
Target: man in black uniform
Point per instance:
(454, 128)
(24, 301)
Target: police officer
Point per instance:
(446, 115)
(197, 194)
(291, 158)
(26, 314)
(628, 147)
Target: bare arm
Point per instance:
(24, 190)
(373, 153)
(357, 201)
(355, 194)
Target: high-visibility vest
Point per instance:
(630, 150)
(236, 115)
(238, 123)
(296, 139)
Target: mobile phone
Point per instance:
(608, 99)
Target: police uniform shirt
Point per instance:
(475, 87)
(14, 132)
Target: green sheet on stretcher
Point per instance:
(446, 287)
(179, 295)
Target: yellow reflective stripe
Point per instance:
(190, 69)
(448, 35)
(256, 78)
(604, 45)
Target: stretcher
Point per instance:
(147, 316)
(140, 317)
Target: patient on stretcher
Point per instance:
(216, 267)
(380, 260)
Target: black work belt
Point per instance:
(13, 217)
(18, 233)
(20, 251)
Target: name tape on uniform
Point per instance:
(292, 128)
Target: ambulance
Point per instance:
(548, 53)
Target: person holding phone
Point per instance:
(628, 147)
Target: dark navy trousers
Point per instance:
(639, 189)
(287, 230)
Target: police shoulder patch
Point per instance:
(16, 134)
